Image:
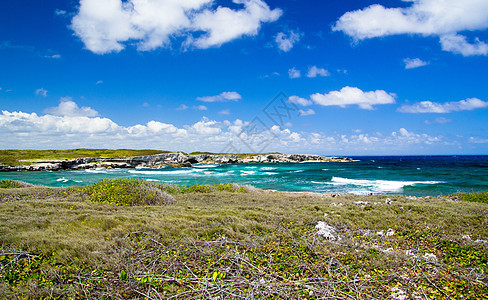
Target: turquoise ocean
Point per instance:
(407, 175)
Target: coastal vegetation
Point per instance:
(125, 238)
(26, 157)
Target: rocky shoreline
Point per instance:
(177, 160)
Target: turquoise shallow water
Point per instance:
(409, 175)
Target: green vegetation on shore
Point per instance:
(26, 157)
(228, 241)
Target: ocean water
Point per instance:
(407, 175)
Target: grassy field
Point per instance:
(25, 157)
(127, 239)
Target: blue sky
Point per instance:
(347, 77)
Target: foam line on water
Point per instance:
(163, 172)
(379, 185)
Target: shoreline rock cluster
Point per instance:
(176, 160)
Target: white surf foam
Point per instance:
(204, 166)
(248, 172)
(161, 172)
(379, 185)
(97, 170)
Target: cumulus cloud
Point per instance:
(354, 96)
(294, 73)
(108, 25)
(224, 112)
(412, 63)
(67, 107)
(285, 41)
(182, 107)
(443, 18)
(438, 121)
(314, 71)
(41, 92)
(222, 97)
(29, 130)
(54, 56)
(307, 112)
(59, 12)
(456, 43)
(299, 101)
(200, 107)
(443, 108)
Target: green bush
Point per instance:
(474, 196)
(128, 192)
(11, 184)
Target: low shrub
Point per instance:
(128, 192)
(10, 184)
(481, 197)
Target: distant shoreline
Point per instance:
(39, 161)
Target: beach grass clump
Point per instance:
(481, 196)
(128, 192)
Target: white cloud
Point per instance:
(477, 140)
(442, 108)
(425, 17)
(99, 82)
(286, 41)
(54, 56)
(354, 96)
(182, 107)
(59, 12)
(412, 63)
(224, 112)
(314, 71)
(67, 107)
(200, 107)
(294, 73)
(456, 43)
(300, 101)
(438, 121)
(222, 97)
(108, 25)
(307, 112)
(41, 92)
(29, 130)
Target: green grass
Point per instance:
(25, 157)
(226, 241)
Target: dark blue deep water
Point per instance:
(407, 175)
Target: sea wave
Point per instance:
(97, 170)
(64, 180)
(148, 172)
(379, 185)
(204, 166)
(248, 172)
